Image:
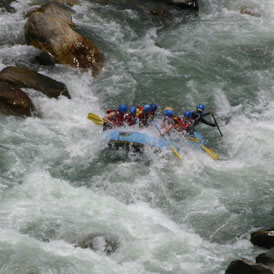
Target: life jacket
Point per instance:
(130, 119)
(139, 110)
(176, 120)
(143, 118)
(151, 115)
(185, 124)
(118, 118)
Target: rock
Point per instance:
(263, 238)
(66, 2)
(266, 258)
(100, 243)
(245, 267)
(186, 4)
(25, 78)
(159, 12)
(49, 28)
(45, 59)
(13, 101)
(246, 10)
(5, 4)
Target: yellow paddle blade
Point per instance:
(98, 123)
(175, 152)
(193, 139)
(210, 152)
(94, 117)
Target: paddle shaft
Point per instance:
(171, 146)
(216, 124)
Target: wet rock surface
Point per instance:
(49, 28)
(25, 78)
(14, 101)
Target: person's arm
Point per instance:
(169, 127)
(163, 124)
(206, 113)
(108, 116)
(207, 122)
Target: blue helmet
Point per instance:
(146, 108)
(153, 107)
(132, 110)
(168, 111)
(188, 114)
(122, 108)
(201, 108)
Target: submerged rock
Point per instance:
(66, 2)
(249, 11)
(14, 101)
(5, 4)
(159, 12)
(45, 59)
(266, 258)
(49, 28)
(25, 78)
(100, 243)
(263, 238)
(246, 267)
(186, 4)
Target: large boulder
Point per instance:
(246, 267)
(13, 101)
(263, 238)
(49, 28)
(25, 78)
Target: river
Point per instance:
(59, 184)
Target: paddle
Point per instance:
(217, 124)
(97, 123)
(95, 118)
(170, 145)
(209, 151)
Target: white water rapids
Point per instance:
(58, 183)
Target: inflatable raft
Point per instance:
(139, 140)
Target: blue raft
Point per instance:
(138, 140)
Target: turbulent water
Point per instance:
(59, 184)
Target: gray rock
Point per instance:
(266, 258)
(249, 11)
(25, 78)
(100, 243)
(263, 238)
(49, 28)
(246, 267)
(186, 4)
(14, 101)
(5, 4)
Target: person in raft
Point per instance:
(115, 118)
(152, 112)
(186, 124)
(198, 116)
(130, 117)
(170, 121)
(144, 116)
